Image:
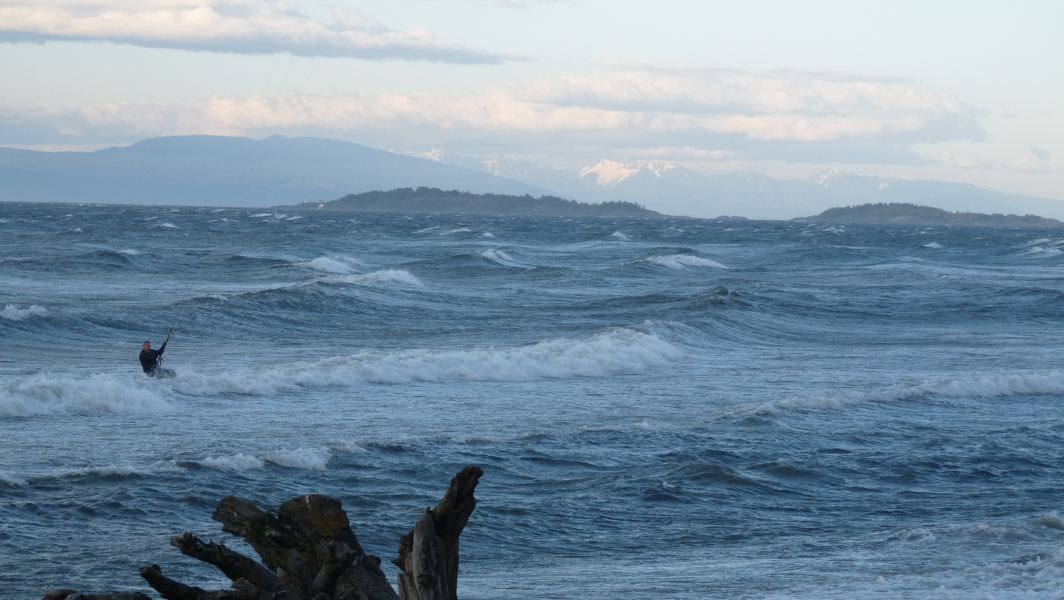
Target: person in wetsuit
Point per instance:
(149, 359)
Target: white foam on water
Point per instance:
(130, 252)
(339, 264)
(488, 234)
(499, 256)
(237, 462)
(1022, 578)
(682, 261)
(617, 235)
(933, 245)
(52, 394)
(457, 230)
(1042, 252)
(7, 479)
(75, 230)
(384, 276)
(615, 351)
(974, 386)
(260, 215)
(12, 312)
(301, 458)
(427, 229)
(295, 218)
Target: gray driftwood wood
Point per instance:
(307, 551)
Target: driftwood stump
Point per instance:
(308, 551)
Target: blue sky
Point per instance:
(961, 91)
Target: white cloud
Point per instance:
(235, 26)
(807, 117)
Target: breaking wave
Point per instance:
(12, 312)
(337, 264)
(44, 395)
(682, 261)
(614, 351)
(985, 386)
(501, 257)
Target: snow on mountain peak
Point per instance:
(609, 173)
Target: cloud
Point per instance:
(233, 26)
(794, 116)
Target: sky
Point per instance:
(959, 91)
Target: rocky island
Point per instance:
(435, 200)
(911, 214)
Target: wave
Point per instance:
(12, 312)
(338, 264)
(44, 395)
(9, 480)
(618, 235)
(1042, 252)
(933, 245)
(682, 261)
(384, 276)
(299, 458)
(975, 386)
(501, 257)
(615, 351)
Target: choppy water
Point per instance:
(663, 409)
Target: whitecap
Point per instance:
(260, 215)
(385, 276)
(12, 312)
(974, 386)
(487, 234)
(52, 394)
(427, 229)
(130, 252)
(619, 350)
(7, 479)
(499, 256)
(338, 263)
(236, 462)
(933, 245)
(617, 235)
(301, 458)
(682, 261)
(1043, 252)
(457, 230)
(166, 225)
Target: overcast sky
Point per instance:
(957, 90)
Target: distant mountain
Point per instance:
(439, 201)
(228, 171)
(674, 189)
(911, 214)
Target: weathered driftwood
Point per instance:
(309, 552)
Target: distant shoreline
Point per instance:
(435, 200)
(912, 214)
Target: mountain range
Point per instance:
(231, 171)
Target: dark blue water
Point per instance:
(663, 409)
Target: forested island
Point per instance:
(912, 214)
(435, 200)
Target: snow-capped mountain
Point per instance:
(674, 189)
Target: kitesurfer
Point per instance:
(150, 359)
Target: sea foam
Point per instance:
(682, 261)
(49, 394)
(12, 312)
(975, 386)
(618, 350)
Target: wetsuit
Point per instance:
(149, 359)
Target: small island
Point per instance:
(897, 213)
(435, 200)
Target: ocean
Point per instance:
(664, 409)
